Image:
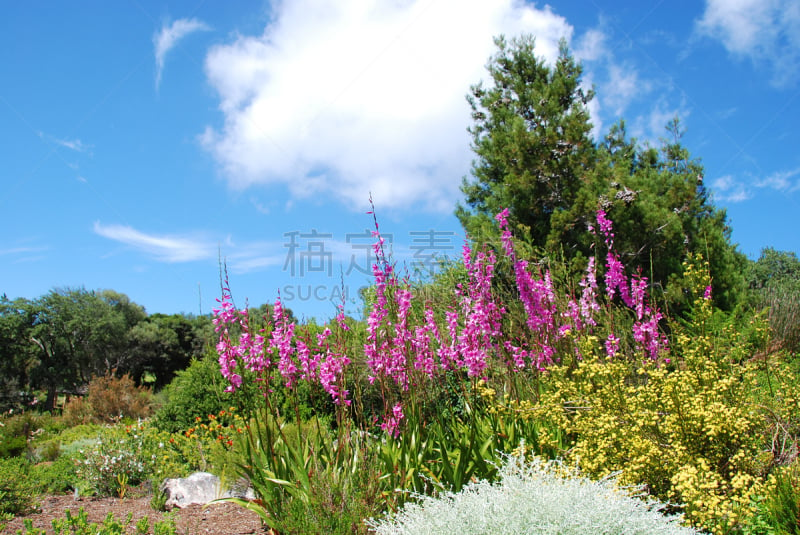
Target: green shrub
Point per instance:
(17, 489)
(77, 411)
(73, 439)
(783, 302)
(195, 392)
(18, 429)
(47, 451)
(533, 498)
(12, 447)
(55, 477)
(338, 500)
(778, 511)
(5, 517)
(112, 464)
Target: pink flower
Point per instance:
(605, 227)
(391, 423)
(612, 346)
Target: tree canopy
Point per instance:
(57, 342)
(531, 135)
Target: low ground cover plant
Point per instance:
(537, 498)
(79, 525)
(17, 490)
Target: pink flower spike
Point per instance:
(391, 423)
(502, 217)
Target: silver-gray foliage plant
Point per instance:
(534, 497)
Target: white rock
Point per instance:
(200, 488)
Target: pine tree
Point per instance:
(531, 137)
(534, 156)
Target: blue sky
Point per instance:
(142, 140)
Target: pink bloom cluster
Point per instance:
(539, 302)
(248, 353)
(293, 357)
(405, 349)
(395, 348)
(633, 293)
(391, 424)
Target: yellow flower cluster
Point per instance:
(688, 430)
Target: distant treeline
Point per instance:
(57, 342)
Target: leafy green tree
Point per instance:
(17, 355)
(60, 340)
(78, 334)
(774, 286)
(163, 344)
(535, 157)
(154, 350)
(531, 136)
(773, 267)
(661, 212)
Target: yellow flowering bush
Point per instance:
(685, 426)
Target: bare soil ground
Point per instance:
(214, 519)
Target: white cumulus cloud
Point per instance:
(766, 31)
(339, 99)
(166, 38)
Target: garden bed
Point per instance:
(216, 519)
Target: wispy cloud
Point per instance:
(766, 32)
(726, 113)
(592, 45)
(166, 248)
(338, 99)
(192, 247)
(623, 86)
(245, 264)
(731, 189)
(619, 83)
(726, 188)
(21, 250)
(73, 144)
(166, 38)
(787, 181)
(651, 127)
(23, 253)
